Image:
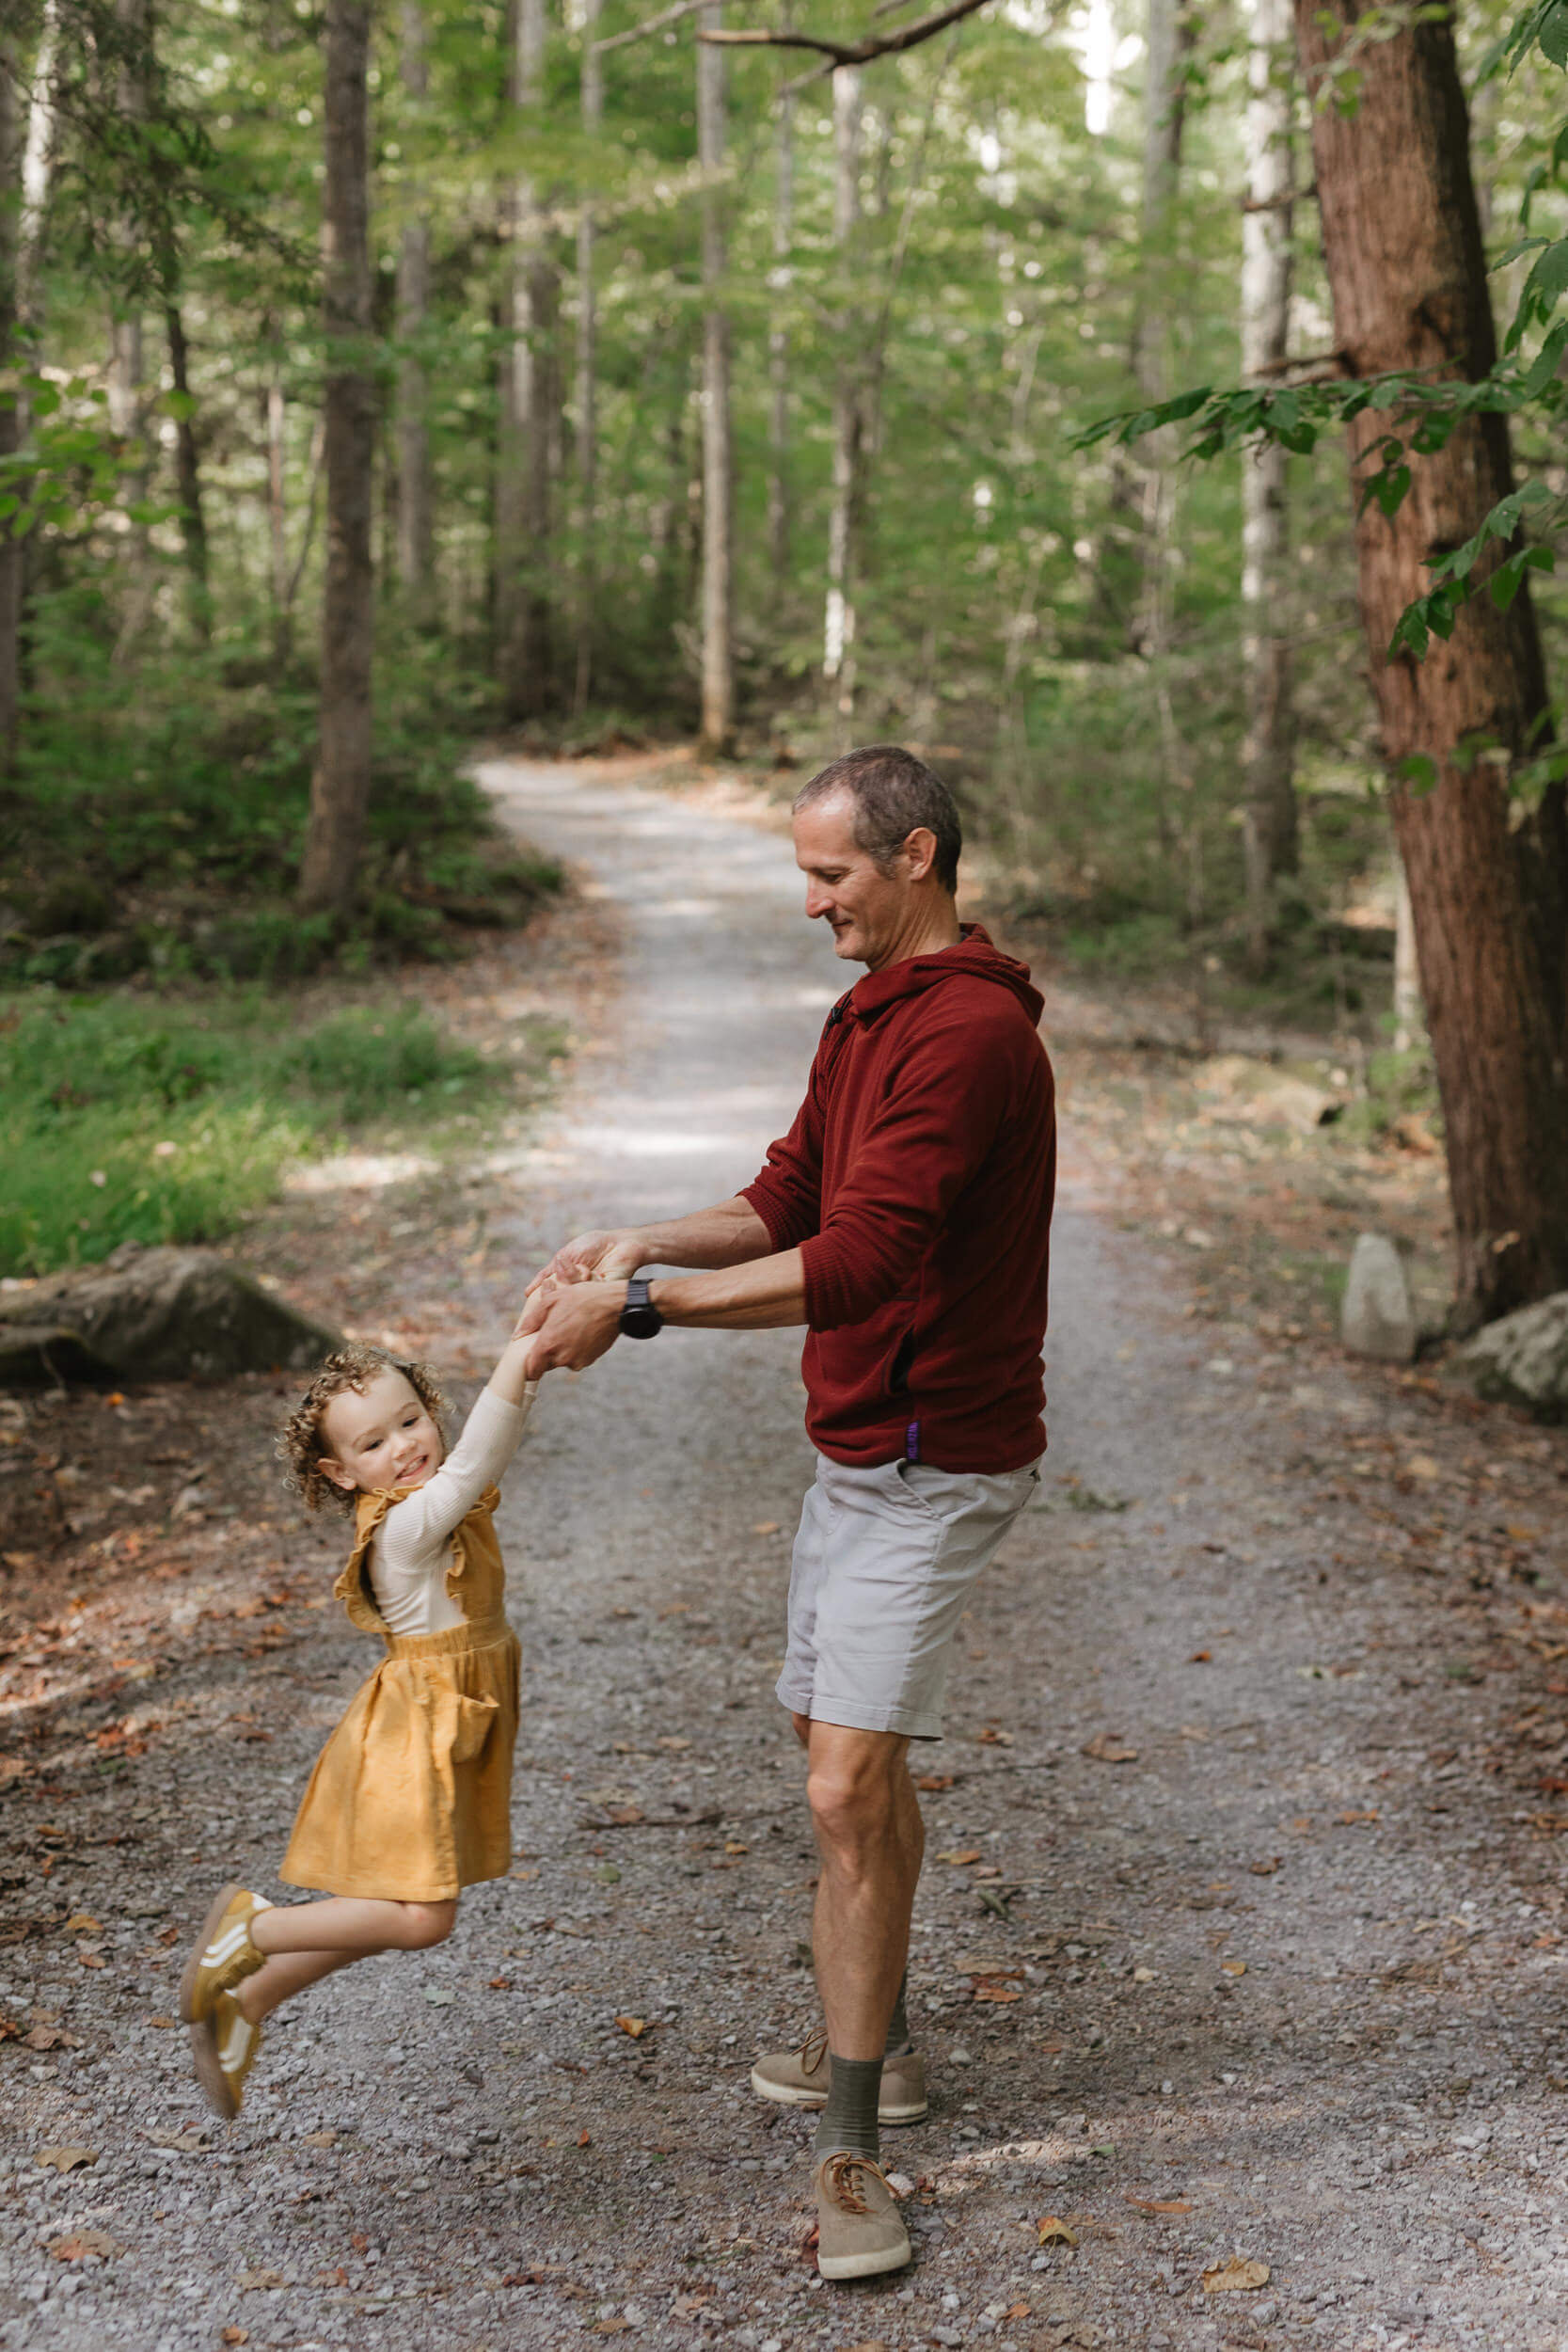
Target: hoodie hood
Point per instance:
(973, 957)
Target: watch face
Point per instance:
(641, 1323)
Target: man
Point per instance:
(905, 1220)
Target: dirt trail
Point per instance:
(1240, 1935)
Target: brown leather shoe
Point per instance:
(858, 2230)
(800, 2078)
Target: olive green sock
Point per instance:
(898, 2025)
(850, 2119)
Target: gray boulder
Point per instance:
(154, 1314)
(1522, 1359)
(1378, 1318)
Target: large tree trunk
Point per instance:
(339, 789)
(187, 474)
(416, 517)
(778, 341)
(127, 355)
(588, 423)
(838, 622)
(1164, 121)
(717, 722)
(10, 547)
(1268, 749)
(523, 491)
(1407, 272)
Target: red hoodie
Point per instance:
(917, 1183)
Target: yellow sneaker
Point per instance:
(223, 2044)
(223, 1955)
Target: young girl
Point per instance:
(410, 1797)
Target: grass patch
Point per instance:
(129, 1119)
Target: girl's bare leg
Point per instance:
(301, 1943)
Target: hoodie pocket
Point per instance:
(900, 1364)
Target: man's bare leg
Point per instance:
(871, 1840)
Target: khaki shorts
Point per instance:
(883, 1563)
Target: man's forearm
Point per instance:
(729, 1235)
(766, 1295)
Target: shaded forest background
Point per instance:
(618, 387)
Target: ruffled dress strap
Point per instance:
(476, 1557)
(353, 1587)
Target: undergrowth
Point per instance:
(125, 1118)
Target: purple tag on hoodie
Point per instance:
(911, 1442)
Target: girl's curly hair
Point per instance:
(299, 1444)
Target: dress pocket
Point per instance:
(463, 1724)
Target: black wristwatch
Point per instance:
(640, 1317)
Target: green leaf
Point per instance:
(1389, 489)
(1547, 360)
(1418, 771)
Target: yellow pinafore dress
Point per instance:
(411, 1796)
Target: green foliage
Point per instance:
(123, 1119)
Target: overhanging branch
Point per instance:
(851, 53)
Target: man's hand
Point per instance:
(579, 1322)
(594, 1257)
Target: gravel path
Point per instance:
(1229, 1948)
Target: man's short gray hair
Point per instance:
(893, 793)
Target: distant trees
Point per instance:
(339, 789)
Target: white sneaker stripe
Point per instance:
(232, 2053)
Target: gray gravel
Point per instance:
(1281, 1984)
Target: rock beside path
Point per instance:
(1378, 1318)
(1523, 1359)
(153, 1315)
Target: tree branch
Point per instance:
(654, 25)
(856, 52)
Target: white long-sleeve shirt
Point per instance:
(411, 1550)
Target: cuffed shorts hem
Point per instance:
(852, 1715)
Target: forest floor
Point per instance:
(1243, 1932)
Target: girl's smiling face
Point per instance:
(380, 1435)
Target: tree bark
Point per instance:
(1268, 747)
(838, 622)
(523, 493)
(127, 358)
(416, 517)
(187, 475)
(588, 423)
(10, 422)
(718, 719)
(1407, 272)
(339, 789)
(777, 344)
(1152, 628)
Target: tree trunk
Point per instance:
(277, 525)
(416, 522)
(1407, 272)
(588, 423)
(1151, 630)
(339, 789)
(187, 474)
(778, 343)
(523, 495)
(718, 720)
(838, 626)
(127, 355)
(1407, 983)
(1268, 748)
(10, 422)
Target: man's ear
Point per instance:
(920, 847)
(336, 1472)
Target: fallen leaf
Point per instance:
(624, 1816)
(1106, 1748)
(90, 1960)
(1193, 1731)
(190, 2142)
(997, 1993)
(584, 2138)
(958, 1855)
(1052, 2043)
(1054, 2231)
(1265, 1870)
(931, 1782)
(258, 2281)
(1235, 2275)
(50, 2038)
(321, 2139)
(234, 2335)
(733, 1845)
(1157, 2204)
(1201, 1657)
(1421, 1465)
(1347, 1819)
(635, 2026)
(1234, 1968)
(609, 2328)
(765, 1527)
(163, 2024)
(66, 2159)
(993, 1737)
(81, 1923)
(83, 2245)
(672, 1739)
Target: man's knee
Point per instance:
(852, 1786)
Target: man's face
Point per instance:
(865, 909)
